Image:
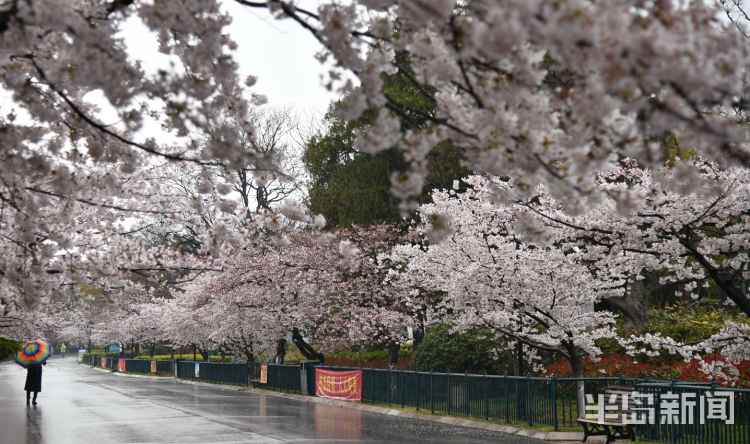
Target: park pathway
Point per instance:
(82, 405)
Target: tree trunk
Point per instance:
(152, 350)
(393, 349)
(171, 353)
(280, 351)
(249, 355)
(577, 365)
(137, 350)
(204, 354)
(419, 330)
(728, 285)
(305, 348)
(418, 334)
(223, 355)
(194, 357)
(634, 306)
(518, 360)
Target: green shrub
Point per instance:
(460, 352)
(9, 347)
(684, 322)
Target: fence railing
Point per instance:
(225, 373)
(163, 367)
(530, 400)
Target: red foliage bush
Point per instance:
(615, 365)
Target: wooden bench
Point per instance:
(612, 428)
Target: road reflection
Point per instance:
(337, 423)
(33, 425)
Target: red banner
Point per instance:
(339, 385)
(121, 365)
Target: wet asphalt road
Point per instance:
(81, 405)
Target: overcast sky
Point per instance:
(279, 52)
(282, 54)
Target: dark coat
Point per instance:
(33, 379)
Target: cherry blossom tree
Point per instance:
(72, 184)
(267, 287)
(26, 326)
(361, 306)
(493, 71)
(531, 295)
(300, 280)
(688, 237)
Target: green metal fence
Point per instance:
(552, 401)
(163, 367)
(541, 401)
(284, 377)
(225, 373)
(137, 366)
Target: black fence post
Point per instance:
(402, 388)
(449, 391)
(554, 399)
(416, 388)
(507, 400)
(466, 390)
(389, 385)
(432, 391)
(486, 398)
(528, 397)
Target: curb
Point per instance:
(536, 434)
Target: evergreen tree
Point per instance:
(349, 187)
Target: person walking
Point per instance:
(63, 349)
(33, 382)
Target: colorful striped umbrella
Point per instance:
(33, 353)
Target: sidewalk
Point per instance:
(556, 437)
